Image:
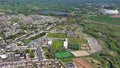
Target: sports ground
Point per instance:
(57, 44)
(64, 54)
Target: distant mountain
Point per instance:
(60, 1)
(28, 6)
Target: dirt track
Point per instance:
(115, 16)
(80, 53)
(82, 63)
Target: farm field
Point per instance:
(64, 54)
(106, 19)
(77, 40)
(109, 45)
(57, 35)
(57, 45)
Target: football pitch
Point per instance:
(64, 54)
(57, 44)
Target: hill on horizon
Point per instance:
(61, 1)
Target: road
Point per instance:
(25, 63)
(40, 53)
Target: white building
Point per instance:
(3, 56)
(109, 11)
(65, 44)
(50, 42)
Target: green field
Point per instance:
(73, 46)
(106, 19)
(57, 45)
(67, 60)
(64, 54)
(77, 40)
(57, 35)
(45, 49)
(15, 20)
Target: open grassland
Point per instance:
(57, 35)
(77, 40)
(64, 54)
(106, 19)
(57, 45)
(109, 36)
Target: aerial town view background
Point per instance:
(59, 34)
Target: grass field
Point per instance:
(106, 19)
(77, 40)
(64, 54)
(57, 45)
(67, 60)
(45, 49)
(57, 35)
(73, 46)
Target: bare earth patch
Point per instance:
(115, 16)
(82, 63)
(94, 45)
(80, 53)
(85, 46)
